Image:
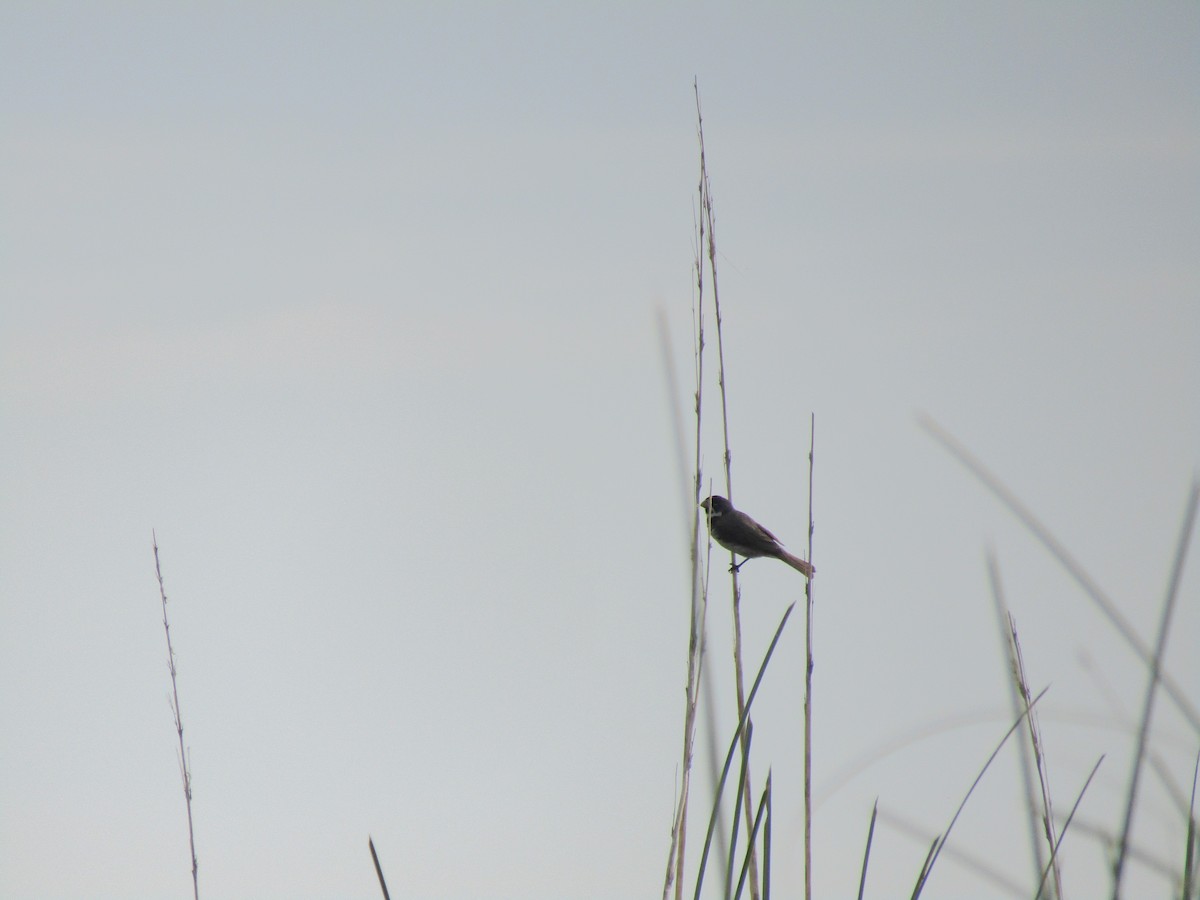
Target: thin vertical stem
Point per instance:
(808, 673)
(699, 606)
(184, 767)
(1018, 693)
(706, 211)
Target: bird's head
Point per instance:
(715, 505)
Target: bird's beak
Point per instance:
(704, 504)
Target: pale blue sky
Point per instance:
(356, 306)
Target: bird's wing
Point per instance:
(756, 528)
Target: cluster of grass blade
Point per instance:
(1046, 831)
(1039, 807)
(184, 766)
(742, 869)
(741, 738)
(740, 857)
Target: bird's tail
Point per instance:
(802, 566)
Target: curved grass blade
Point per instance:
(941, 841)
(1189, 856)
(712, 819)
(737, 808)
(763, 804)
(862, 879)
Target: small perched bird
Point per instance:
(740, 534)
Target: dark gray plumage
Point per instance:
(740, 534)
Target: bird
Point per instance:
(741, 535)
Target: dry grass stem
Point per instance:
(708, 226)
(808, 673)
(1018, 694)
(1033, 730)
(676, 856)
(184, 761)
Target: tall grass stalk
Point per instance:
(808, 673)
(185, 768)
(706, 215)
(709, 246)
(1034, 731)
(698, 616)
(1030, 754)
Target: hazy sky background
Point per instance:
(356, 306)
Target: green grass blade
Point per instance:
(758, 819)
(378, 869)
(737, 809)
(712, 819)
(862, 879)
(1189, 855)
